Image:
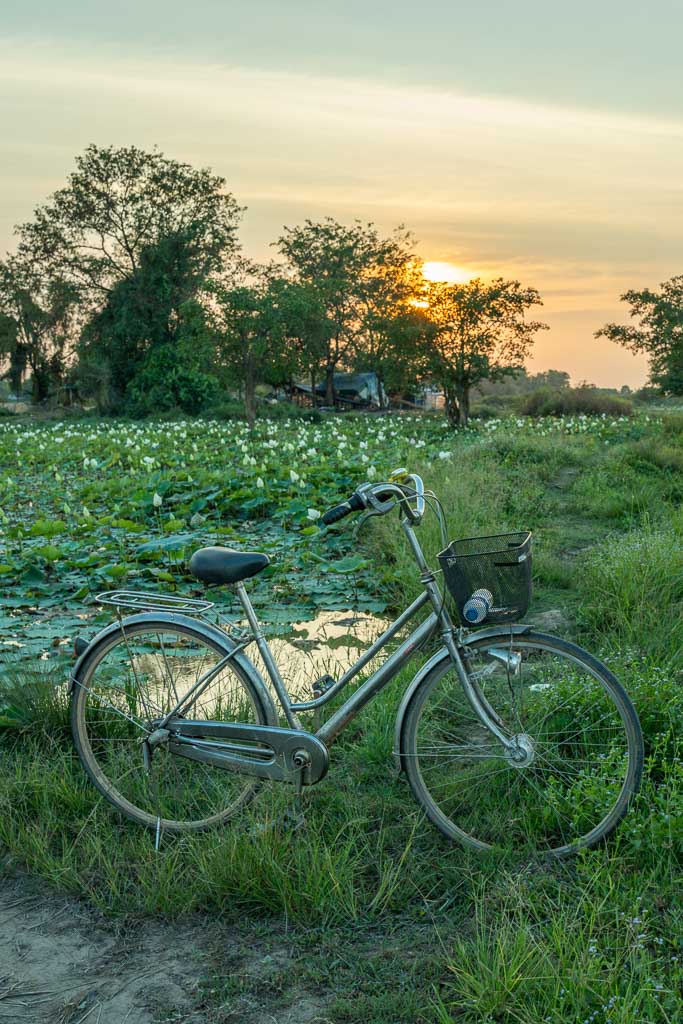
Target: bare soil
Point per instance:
(63, 963)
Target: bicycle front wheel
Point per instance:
(127, 684)
(577, 752)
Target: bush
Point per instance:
(574, 401)
(165, 383)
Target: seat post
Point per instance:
(266, 654)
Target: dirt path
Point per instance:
(61, 963)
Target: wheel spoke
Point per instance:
(138, 678)
(573, 747)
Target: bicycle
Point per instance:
(509, 737)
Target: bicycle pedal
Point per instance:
(322, 685)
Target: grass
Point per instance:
(388, 922)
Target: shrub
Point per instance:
(167, 382)
(574, 401)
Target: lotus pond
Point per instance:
(88, 505)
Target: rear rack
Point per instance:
(140, 601)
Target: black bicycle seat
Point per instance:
(223, 565)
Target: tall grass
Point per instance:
(391, 922)
(632, 591)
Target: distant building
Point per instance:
(362, 389)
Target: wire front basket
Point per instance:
(489, 577)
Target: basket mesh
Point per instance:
(499, 565)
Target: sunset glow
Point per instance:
(436, 270)
(505, 167)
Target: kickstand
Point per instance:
(295, 818)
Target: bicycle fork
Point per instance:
(481, 707)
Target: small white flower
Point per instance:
(444, 455)
(293, 476)
(372, 472)
(196, 520)
(259, 482)
(313, 513)
(157, 500)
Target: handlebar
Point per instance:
(380, 498)
(333, 515)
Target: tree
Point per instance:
(305, 330)
(478, 332)
(12, 352)
(151, 323)
(392, 322)
(250, 330)
(344, 265)
(660, 333)
(42, 309)
(120, 201)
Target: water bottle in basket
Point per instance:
(478, 606)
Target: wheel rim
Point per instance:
(566, 783)
(132, 684)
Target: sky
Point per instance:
(513, 138)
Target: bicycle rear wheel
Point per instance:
(578, 758)
(132, 678)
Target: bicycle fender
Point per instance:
(241, 662)
(481, 634)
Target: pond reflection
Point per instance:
(328, 644)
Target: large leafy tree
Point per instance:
(304, 330)
(659, 333)
(392, 320)
(152, 327)
(250, 330)
(39, 311)
(118, 202)
(478, 332)
(350, 268)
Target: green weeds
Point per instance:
(392, 923)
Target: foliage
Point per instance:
(632, 588)
(405, 925)
(479, 332)
(660, 333)
(120, 201)
(364, 283)
(572, 401)
(150, 343)
(39, 311)
(250, 328)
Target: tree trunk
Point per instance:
(40, 385)
(314, 397)
(380, 391)
(330, 396)
(250, 390)
(464, 404)
(452, 406)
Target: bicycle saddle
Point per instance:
(223, 565)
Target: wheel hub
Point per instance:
(522, 752)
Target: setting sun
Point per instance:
(435, 270)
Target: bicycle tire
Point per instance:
(110, 749)
(450, 757)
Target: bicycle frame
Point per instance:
(439, 618)
(326, 734)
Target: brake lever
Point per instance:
(360, 523)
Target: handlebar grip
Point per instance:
(333, 515)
